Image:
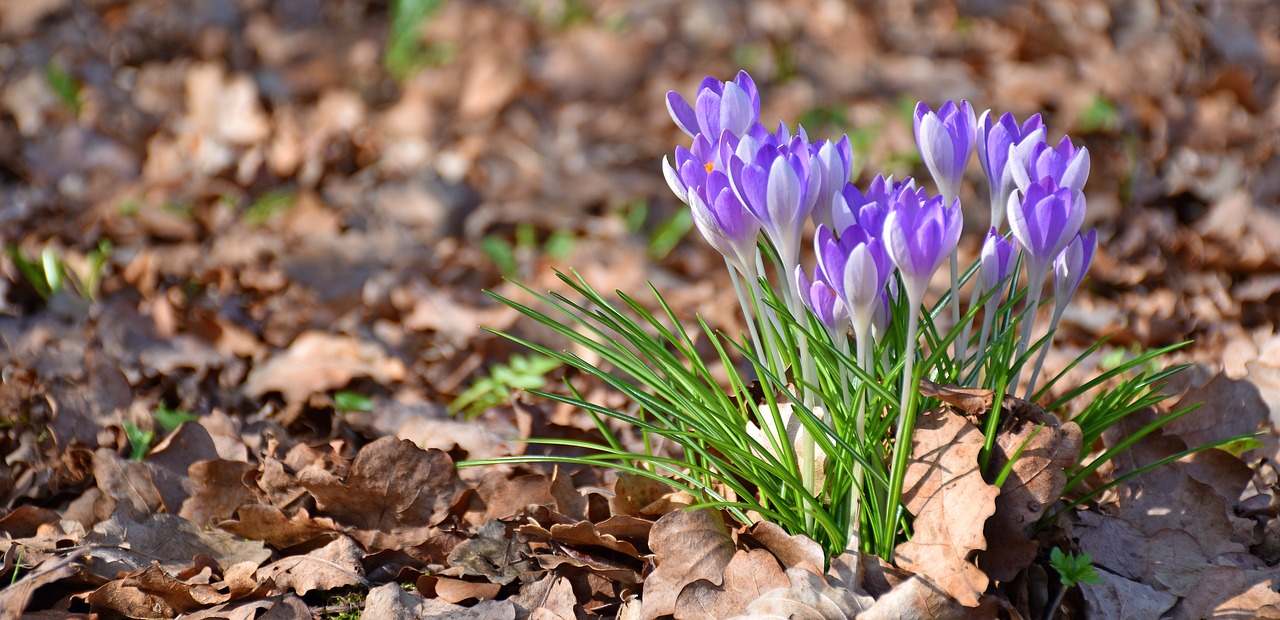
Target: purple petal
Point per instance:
(682, 113)
(707, 107)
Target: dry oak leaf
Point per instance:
(394, 494)
(951, 502)
(390, 602)
(808, 597)
(1034, 483)
(689, 545)
(124, 543)
(335, 565)
(153, 593)
(917, 599)
(272, 526)
(15, 597)
(1117, 598)
(1231, 592)
(318, 362)
(749, 575)
(792, 551)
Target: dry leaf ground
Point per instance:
(291, 228)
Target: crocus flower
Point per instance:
(835, 164)
(920, 233)
(1070, 266)
(995, 262)
(718, 107)
(1044, 220)
(725, 223)
(998, 142)
(858, 267)
(1067, 165)
(821, 298)
(868, 210)
(946, 140)
(777, 184)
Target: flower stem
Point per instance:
(906, 416)
(1035, 282)
(1044, 351)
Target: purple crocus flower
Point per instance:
(821, 298)
(778, 185)
(995, 262)
(835, 163)
(998, 142)
(868, 210)
(723, 221)
(1044, 220)
(920, 233)
(1067, 165)
(946, 140)
(1070, 266)
(857, 266)
(718, 107)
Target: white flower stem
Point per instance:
(1035, 282)
(1044, 350)
(964, 336)
(747, 313)
(959, 345)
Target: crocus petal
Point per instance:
(682, 113)
(783, 192)
(707, 107)
(735, 109)
(673, 180)
(1077, 171)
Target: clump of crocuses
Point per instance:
(876, 251)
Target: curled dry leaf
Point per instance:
(153, 593)
(272, 526)
(1117, 598)
(394, 494)
(1035, 482)
(748, 576)
(335, 565)
(917, 599)
(689, 545)
(951, 502)
(318, 362)
(808, 597)
(124, 543)
(792, 551)
(494, 554)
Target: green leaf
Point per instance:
(139, 440)
(63, 86)
(267, 206)
(347, 400)
(668, 235)
(1073, 569)
(170, 419)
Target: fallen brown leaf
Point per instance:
(335, 565)
(393, 495)
(808, 597)
(945, 491)
(689, 545)
(1117, 598)
(318, 362)
(125, 543)
(747, 577)
(1035, 482)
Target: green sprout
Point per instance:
(406, 53)
(347, 400)
(64, 86)
(1072, 570)
(139, 440)
(50, 275)
(170, 419)
(267, 206)
(521, 372)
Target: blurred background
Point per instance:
(203, 194)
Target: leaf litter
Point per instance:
(288, 222)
